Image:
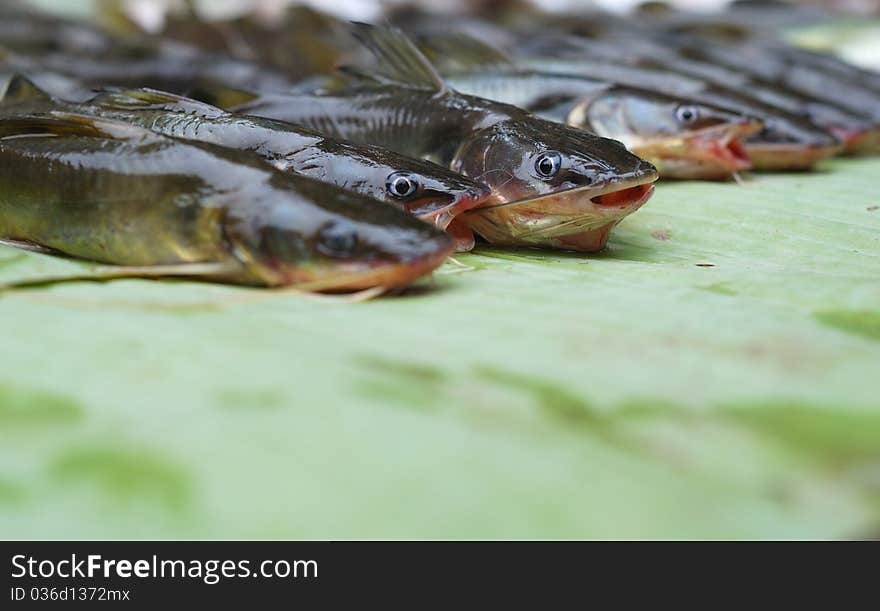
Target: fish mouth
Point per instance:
(445, 217)
(354, 277)
(709, 153)
(440, 211)
(579, 218)
(780, 157)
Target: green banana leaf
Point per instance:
(714, 373)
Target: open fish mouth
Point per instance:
(709, 153)
(440, 211)
(444, 216)
(579, 219)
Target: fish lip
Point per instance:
(585, 229)
(612, 213)
(459, 203)
(378, 274)
(721, 146)
(613, 185)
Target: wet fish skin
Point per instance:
(126, 196)
(32, 41)
(493, 143)
(755, 30)
(433, 193)
(683, 137)
(298, 43)
(788, 140)
(162, 65)
(746, 56)
(828, 63)
(645, 53)
(408, 107)
(600, 45)
(705, 145)
(806, 80)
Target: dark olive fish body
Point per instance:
(824, 62)
(414, 122)
(804, 80)
(299, 42)
(109, 192)
(851, 127)
(552, 185)
(836, 95)
(162, 65)
(427, 190)
(681, 137)
(547, 95)
(788, 140)
(496, 144)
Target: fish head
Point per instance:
(552, 185)
(318, 237)
(426, 190)
(683, 138)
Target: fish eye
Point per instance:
(337, 239)
(548, 164)
(687, 114)
(402, 185)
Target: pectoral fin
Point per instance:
(30, 247)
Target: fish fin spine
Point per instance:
(22, 89)
(401, 62)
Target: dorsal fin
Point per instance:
(153, 99)
(58, 123)
(461, 52)
(355, 75)
(21, 89)
(400, 61)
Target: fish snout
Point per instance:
(471, 198)
(647, 171)
(388, 275)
